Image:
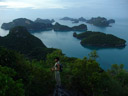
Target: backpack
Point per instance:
(61, 67)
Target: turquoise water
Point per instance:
(71, 46)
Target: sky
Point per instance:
(61, 8)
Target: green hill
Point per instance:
(21, 40)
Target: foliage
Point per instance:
(93, 55)
(8, 85)
(21, 40)
(20, 76)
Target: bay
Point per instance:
(71, 47)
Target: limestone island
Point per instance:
(100, 21)
(46, 21)
(38, 25)
(67, 18)
(41, 25)
(97, 21)
(59, 27)
(82, 19)
(99, 39)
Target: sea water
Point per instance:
(71, 46)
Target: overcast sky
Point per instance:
(60, 8)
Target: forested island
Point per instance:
(41, 25)
(59, 27)
(100, 21)
(82, 19)
(99, 39)
(97, 21)
(29, 24)
(46, 21)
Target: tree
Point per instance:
(93, 55)
(9, 86)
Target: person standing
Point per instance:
(56, 69)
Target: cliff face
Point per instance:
(21, 40)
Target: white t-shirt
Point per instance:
(55, 66)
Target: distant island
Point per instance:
(100, 21)
(37, 25)
(42, 25)
(97, 21)
(74, 20)
(46, 21)
(100, 39)
(21, 40)
(59, 27)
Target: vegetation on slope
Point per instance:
(21, 40)
(80, 76)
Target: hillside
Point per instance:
(21, 40)
(81, 77)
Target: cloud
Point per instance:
(60, 4)
(34, 4)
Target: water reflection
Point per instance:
(103, 48)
